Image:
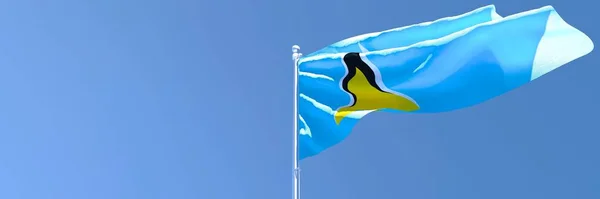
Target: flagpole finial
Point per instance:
(296, 52)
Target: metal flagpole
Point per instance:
(296, 55)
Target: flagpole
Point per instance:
(296, 56)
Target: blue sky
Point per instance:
(193, 99)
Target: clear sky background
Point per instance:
(192, 99)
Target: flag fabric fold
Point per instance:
(438, 66)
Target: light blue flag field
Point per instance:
(438, 66)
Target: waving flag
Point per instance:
(437, 66)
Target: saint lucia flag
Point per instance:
(438, 66)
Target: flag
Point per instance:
(438, 66)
